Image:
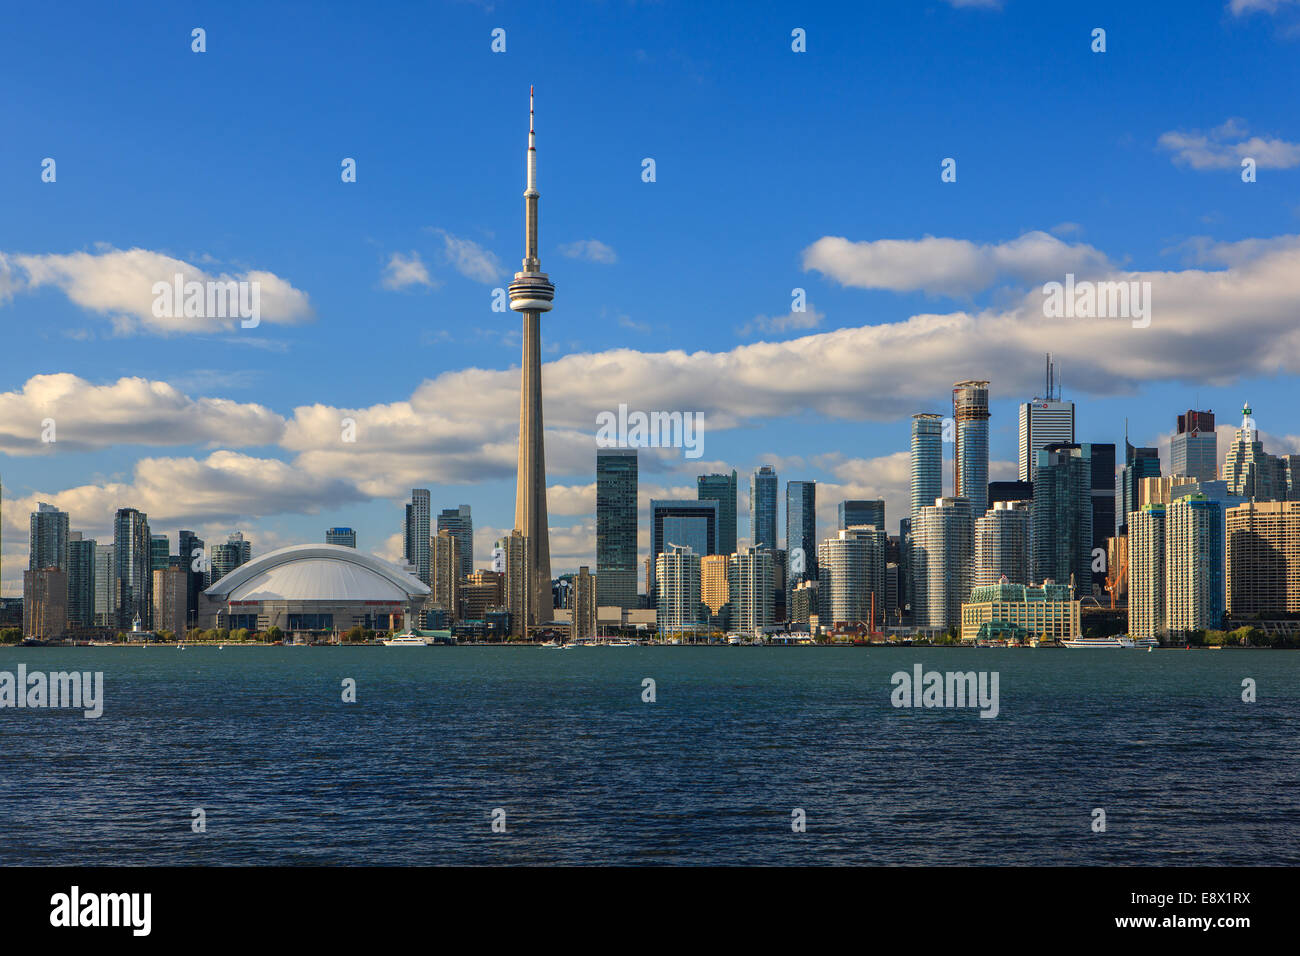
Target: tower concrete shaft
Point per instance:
(531, 293)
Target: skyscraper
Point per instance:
(583, 604)
(1047, 420)
(81, 580)
(616, 527)
(1249, 470)
(1194, 555)
(1061, 522)
(189, 547)
(714, 593)
(159, 551)
(1139, 463)
(48, 544)
(343, 537)
(531, 294)
(762, 508)
(1002, 545)
(722, 489)
(416, 547)
(941, 562)
(226, 557)
(1263, 558)
(132, 567)
(1102, 457)
(927, 460)
(692, 524)
(518, 580)
(460, 522)
(749, 581)
(1194, 447)
(105, 587)
(445, 572)
(851, 579)
(800, 534)
(870, 511)
(970, 410)
(677, 573)
(1146, 575)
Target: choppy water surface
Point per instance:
(709, 773)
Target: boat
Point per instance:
(404, 640)
(550, 644)
(619, 644)
(1147, 642)
(1122, 640)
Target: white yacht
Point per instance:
(1121, 640)
(405, 640)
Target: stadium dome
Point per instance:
(313, 588)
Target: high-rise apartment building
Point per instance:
(1002, 545)
(722, 489)
(686, 523)
(105, 587)
(48, 543)
(851, 576)
(1194, 449)
(169, 597)
(190, 547)
(416, 547)
(517, 583)
(800, 533)
(226, 557)
(1263, 558)
(762, 508)
(1102, 457)
(583, 603)
(970, 411)
(1194, 559)
(941, 562)
(1139, 463)
(132, 567)
(445, 573)
(159, 551)
(749, 581)
(1146, 575)
(459, 522)
(616, 527)
(1061, 517)
(862, 512)
(927, 461)
(81, 580)
(677, 571)
(45, 604)
(714, 593)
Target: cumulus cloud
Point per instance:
(119, 284)
(404, 271)
(470, 259)
(1224, 147)
(130, 411)
(948, 266)
(592, 250)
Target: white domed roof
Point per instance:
(318, 572)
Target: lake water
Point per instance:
(588, 773)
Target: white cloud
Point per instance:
(592, 250)
(776, 325)
(130, 411)
(118, 283)
(404, 271)
(1224, 147)
(1241, 8)
(470, 259)
(947, 266)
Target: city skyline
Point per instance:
(238, 429)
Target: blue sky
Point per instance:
(674, 294)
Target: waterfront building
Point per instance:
(1047, 613)
(169, 597)
(1263, 558)
(48, 540)
(970, 410)
(105, 587)
(1194, 559)
(190, 547)
(226, 557)
(45, 604)
(479, 592)
(692, 524)
(852, 580)
(926, 461)
(159, 551)
(749, 581)
(1061, 517)
(800, 534)
(677, 572)
(722, 489)
(616, 526)
(583, 603)
(1002, 544)
(941, 562)
(81, 580)
(313, 589)
(762, 508)
(1194, 449)
(1146, 576)
(517, 584)
(714, 593)
(343, 537)
(861, 513)
(132, 569)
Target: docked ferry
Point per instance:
(1121, 640)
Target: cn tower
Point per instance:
(531, 294)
